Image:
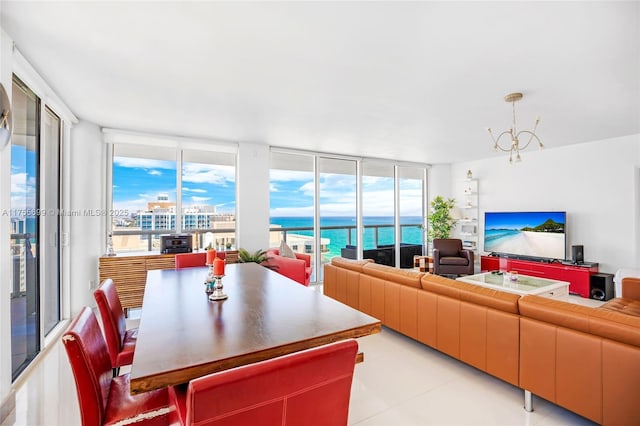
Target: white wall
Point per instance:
(439, 182)
(86, 232)
(252, 206)
(5, 230)
(596, 183)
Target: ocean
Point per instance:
(339, 238)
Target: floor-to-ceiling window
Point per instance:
(378, 208)
(209, 198)
(50, 221)
(25, 229)
(166, 187)
(291, 198)
(338, 203)
(378, 202)
(144, 196)
(412, 193)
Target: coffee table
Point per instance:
(523, 285)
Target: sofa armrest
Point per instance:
(296, 269)
(631, 288)
(305, 257)
(436, 256)
(467, 254)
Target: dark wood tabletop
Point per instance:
(182, 335)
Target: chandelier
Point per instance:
(514, 134)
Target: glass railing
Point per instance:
(124, 240)
(334, 239)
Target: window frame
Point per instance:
(114, 137)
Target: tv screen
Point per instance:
(530, 234)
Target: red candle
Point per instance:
(218, 267)
(211, 255)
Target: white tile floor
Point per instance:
(401, 382)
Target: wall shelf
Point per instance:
(467, 200)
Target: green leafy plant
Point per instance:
(260, 257)
(440, 221)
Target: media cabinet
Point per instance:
(578, 276)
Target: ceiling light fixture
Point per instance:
(514, 133)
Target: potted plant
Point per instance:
(440, 220)
(260, 257)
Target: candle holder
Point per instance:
(209, 280)
(217, 293)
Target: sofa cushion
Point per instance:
(353, 265)
(623, 305)
(496, 299)
(454, 261)
(389, 273)
(597, 321)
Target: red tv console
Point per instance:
(578, 276)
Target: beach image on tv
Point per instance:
(538, 234)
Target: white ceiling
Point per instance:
(416, 81)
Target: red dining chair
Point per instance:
(189, 260)
(310, 388)
(105, 399)
(120, 341)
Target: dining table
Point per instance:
(183, 335)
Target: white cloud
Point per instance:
(199, 200)
(23, 190)
(198, 190)
(155, 172)
(205, 173)
(143, 163)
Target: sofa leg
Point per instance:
(528, 401)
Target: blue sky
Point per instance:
(292, 192)
(137, 181)
(518, 220)
(23, 181)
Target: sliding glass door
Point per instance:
(50, 246)
(338, 214)
(25, 228)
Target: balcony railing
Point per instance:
(154, 235)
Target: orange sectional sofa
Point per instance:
(584, 359)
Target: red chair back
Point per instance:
(189, 260)
(112, 315)
(310, 387)
(89, 359)
(103, 399)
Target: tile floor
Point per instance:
(401, 382)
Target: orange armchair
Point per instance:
(298, 269)
(310, 387)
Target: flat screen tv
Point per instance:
(527, 234)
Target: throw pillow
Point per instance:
(285, 250)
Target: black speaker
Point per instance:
(601, 286)
(577, 254)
